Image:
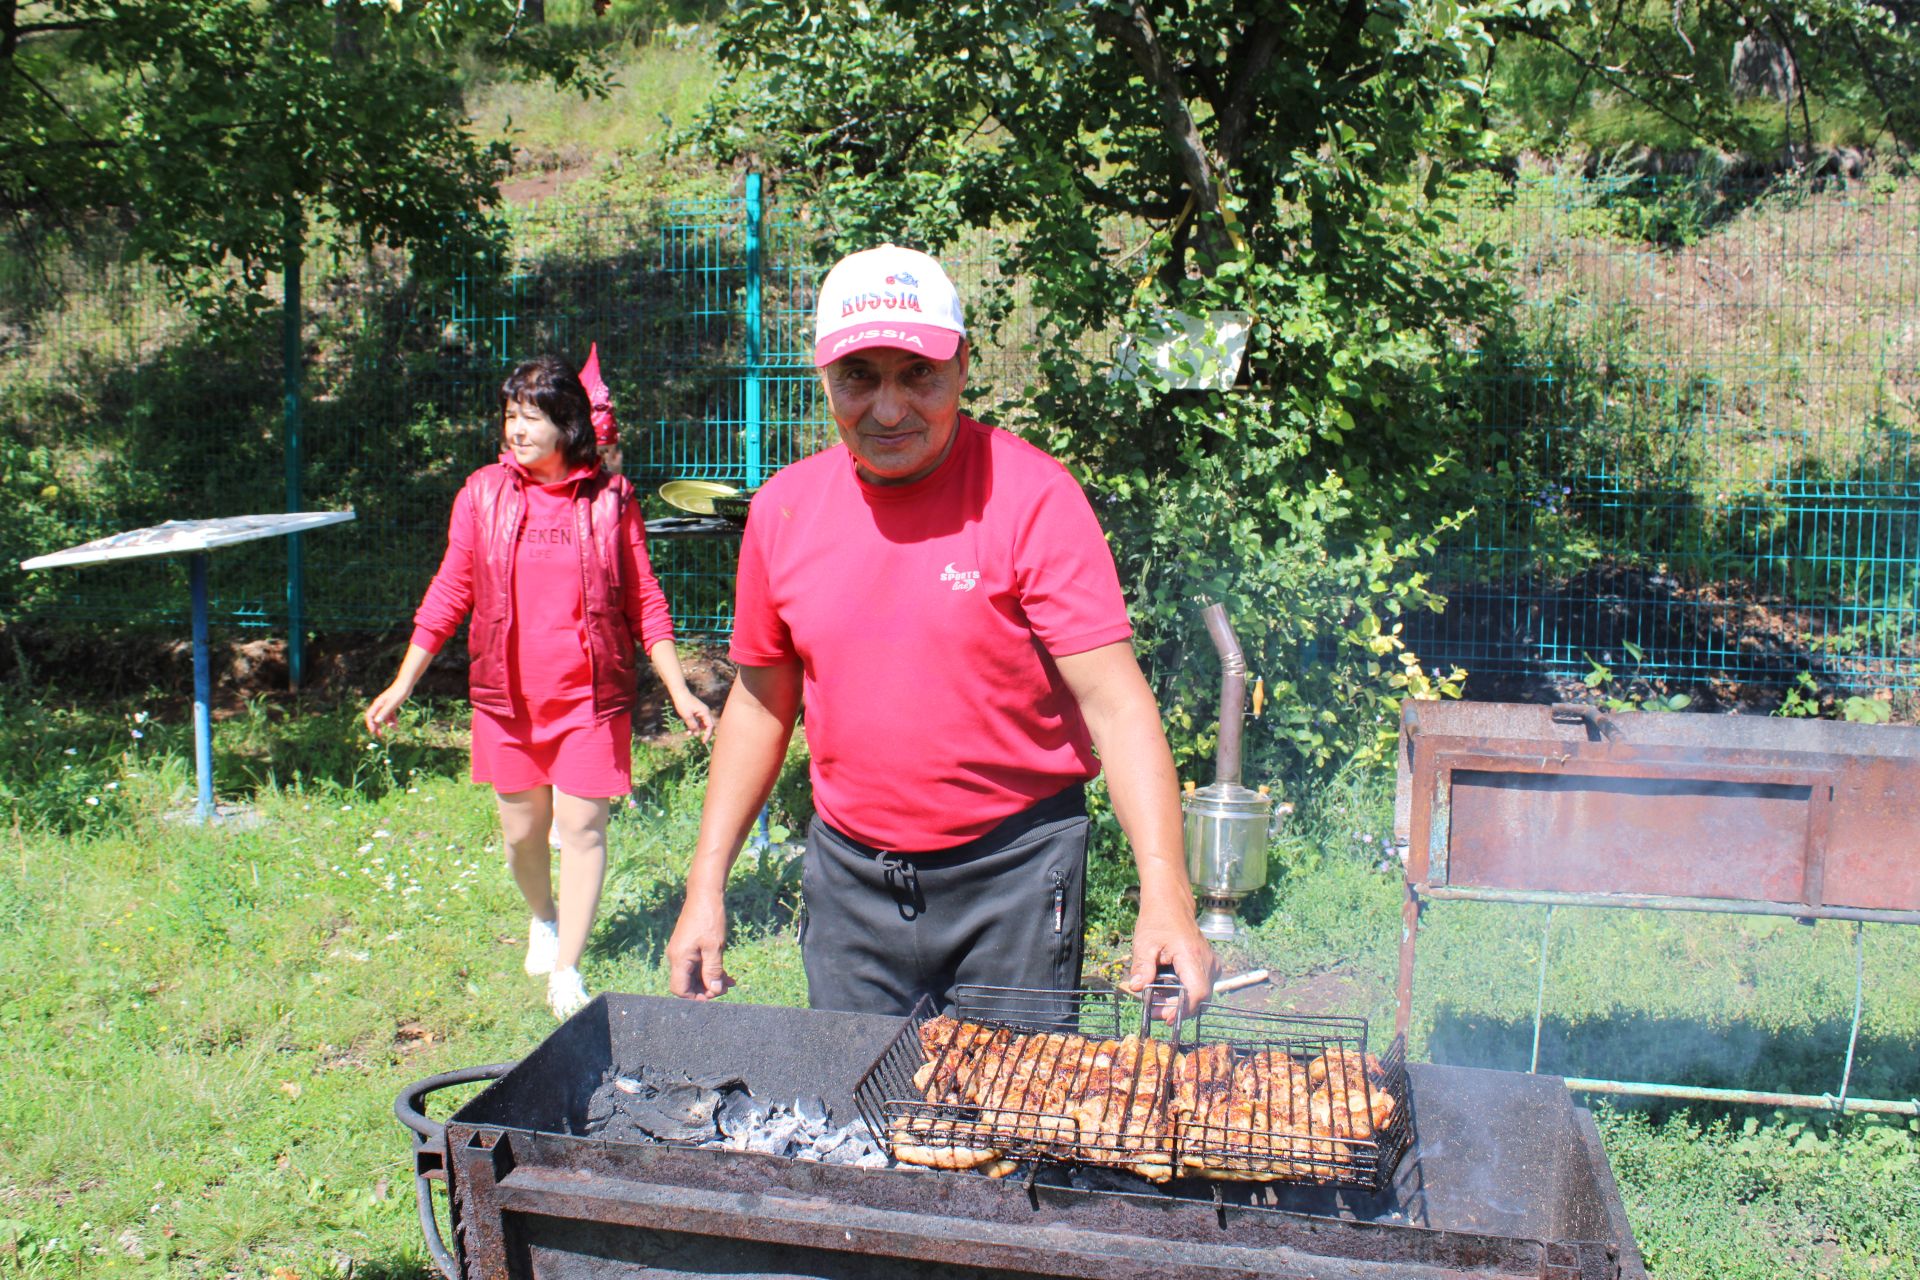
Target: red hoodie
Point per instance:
(540, 635)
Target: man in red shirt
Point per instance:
(939, 597)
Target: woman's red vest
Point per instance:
(600, 505)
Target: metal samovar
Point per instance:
(1228, 826)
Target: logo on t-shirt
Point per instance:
(545, 544)
(962, 579)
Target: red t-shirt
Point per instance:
(926, 617)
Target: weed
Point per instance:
(1716, 1199)
(1806, 700)
(1631, 692)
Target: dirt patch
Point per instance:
(54, 1192)
(352, 1058)
(543, 178)
(410, 1038)
(1339, 991)
(1729, 646)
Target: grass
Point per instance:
(656, 89)
(205, 1029)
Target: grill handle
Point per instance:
(1599, 724)
(430, 1149)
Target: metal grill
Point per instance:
(1092, 1077)
(1320, 1151)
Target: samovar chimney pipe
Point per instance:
(1233, 692)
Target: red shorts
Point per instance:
(565, 750)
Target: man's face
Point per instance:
(896, 409)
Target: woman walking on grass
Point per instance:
(547, 551)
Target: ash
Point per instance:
(721, 1113)
(803, 1131)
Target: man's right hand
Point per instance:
(694, 968)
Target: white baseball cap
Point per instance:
(887, 297)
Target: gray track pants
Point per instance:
(884, 928)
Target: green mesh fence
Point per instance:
(147, 416)
(1697, 441)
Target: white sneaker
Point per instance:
(566, 994)
(543, 946)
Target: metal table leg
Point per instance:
(202, 716)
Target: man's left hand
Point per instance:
(1173, 942)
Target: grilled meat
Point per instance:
(1217, 1111)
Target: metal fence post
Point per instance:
(754, 335)
(290, 409)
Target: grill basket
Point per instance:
(1039, 1115)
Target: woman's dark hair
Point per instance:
(551, 386)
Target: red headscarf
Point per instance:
(605, 430)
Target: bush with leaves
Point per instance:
(1283, 161)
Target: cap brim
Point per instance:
(928, 340)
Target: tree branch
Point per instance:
(48, 94)
(1782, 30)
(1236, 113)
(1134, 31)
(42, 28)
(1345, 45)
(1615, 80)
(1151, 209)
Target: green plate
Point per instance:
(695, 495)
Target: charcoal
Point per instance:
(639, 1104)
(720, 1112)
(740, 1112)
(845, 1151)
